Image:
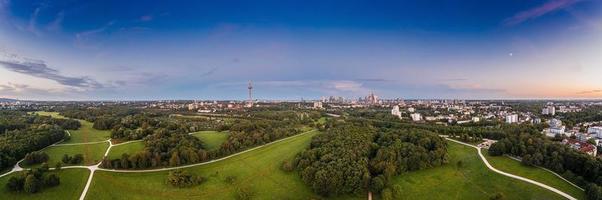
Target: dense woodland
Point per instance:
(24, 133)
(355, 157)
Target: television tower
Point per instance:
(250, 94)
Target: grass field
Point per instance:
(72, 184)
(93, 153)
(473, 180)
(257, 170)
(129, 148)
(85, 133)
(508, 165)
(211, 139)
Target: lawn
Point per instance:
(85, 133)
(129, 148)
(93, 153)
(211, 139)
(508, 165)
(72, 184)
(258, 170)
(471, 180)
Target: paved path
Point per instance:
(512, 175)
(95, 168)
(556, 174)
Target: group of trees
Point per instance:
(74, 160)
(536, 150)
(249, 133)
(32, 181)
(181, 178)
(35, 157)
(350, 158)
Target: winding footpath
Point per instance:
(512, 175)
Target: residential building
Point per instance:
(416, 117)
(395, 111)
(512, 118)
(597, 130)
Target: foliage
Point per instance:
(351, 158)
(32, 181)
(180, 178)
(35, 157)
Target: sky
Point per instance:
(291, 50)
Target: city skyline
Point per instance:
(113, 50)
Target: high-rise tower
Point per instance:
(250, 103)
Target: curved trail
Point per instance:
(512, 175)
(556, 174)
(96, 168)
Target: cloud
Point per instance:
(539, 11)
(590, 92)
(38, 68)
(89, 39)
(146, 18)
(210, 72)
(57, 23)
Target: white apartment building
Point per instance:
(597, 130)
(395, 111)
(512, 118)
(416, 117)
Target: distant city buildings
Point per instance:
(556, 128)
(318, 105)
(513, 118)
(595, 130)
(416, 117)
(549, 110)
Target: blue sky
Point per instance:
(121, 50)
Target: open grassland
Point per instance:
(93, 153)
(257, 171)
(211, 139)
(84, 134)
(52, 114)
(129, 148)
(72, 184)
(509, 165)
(469, 180)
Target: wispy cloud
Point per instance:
(590, 92)
(57, 23)
(539, 11)
(38, 68)
(89, 39)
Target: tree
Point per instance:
(387, 194)
(44, 167)
(174, 160)
(593, 192)
(58, 166)
(66, 159)
(52, 180)
(31, 184)
(15, 183)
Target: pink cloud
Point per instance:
(536, 12)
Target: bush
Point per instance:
(179, 178)
(287, 166)
(244, 193)
(52, 180)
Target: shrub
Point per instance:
(244, 193)
(179, 178)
